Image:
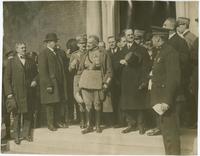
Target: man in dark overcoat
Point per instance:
(180, 45)
(19, 84)
(164, 84)
(133, 77)
(53, 84)
(114, 53)
(183, 26)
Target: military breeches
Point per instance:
(170, 132)
(24, 122)
(91, 97)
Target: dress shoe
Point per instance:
(59, 125)
(52, 128)
(154, 132)
(142, 131)
(87, 130)
(118, 126)
(82, 126)
(65, 125)
(17, 141)
(98, 129)
(128, 129)
(28, 138)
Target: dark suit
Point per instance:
(132, 77)
(52, 73)
(115, 85)
(17, 81)
(165, 82)
(192, 42)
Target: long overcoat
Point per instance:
(17, 81)
(52, 73)
(133, 76)
(166, 76)
(106, 68)
(180, 45)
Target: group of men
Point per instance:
(141, 71)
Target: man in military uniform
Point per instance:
(53, 83)
(19, 84)
(73, 67)
(96, 73)
(163, 84)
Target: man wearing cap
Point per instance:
(139, 36)
(53, 85)
(73, 67)
(133, 83)
(95, 69)
(102, 46)
(183, 24)
(19, 83)
(163, 85)
(180, 45)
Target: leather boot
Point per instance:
(82, 117)
(89, 123)
(98, 122)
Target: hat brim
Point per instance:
(51, 40)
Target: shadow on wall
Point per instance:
(31, 21)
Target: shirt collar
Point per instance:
(50, 49)
(21, 56)
(171, 35)
(185, 31)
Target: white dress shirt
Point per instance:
(22, 59)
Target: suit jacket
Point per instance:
(166, 76)
(17, 81)
(190, 39)
(52, 73)
(180, 45)
(133, 76)
(115, 59)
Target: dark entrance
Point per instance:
(144, 14)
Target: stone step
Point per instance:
(111, 141)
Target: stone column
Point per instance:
(110, 18)
(94, 18)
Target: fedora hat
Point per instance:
(51, 37)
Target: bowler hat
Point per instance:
(51, 37)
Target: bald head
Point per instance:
(170, 23)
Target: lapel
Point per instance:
(19, 63)
(51, 54)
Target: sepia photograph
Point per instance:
(99, 77)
